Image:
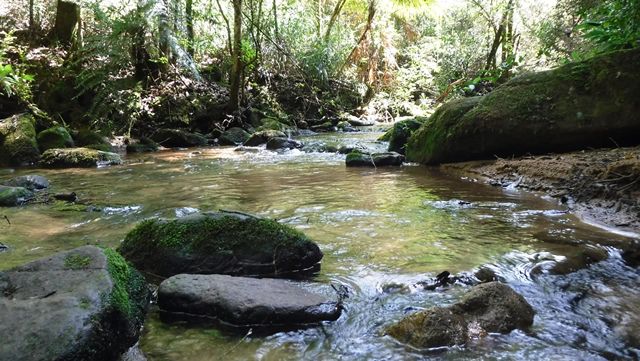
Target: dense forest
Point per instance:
(319, 180)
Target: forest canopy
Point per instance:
(120, 66)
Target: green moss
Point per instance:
(77, 157)
(55, 137)
(19, 145)
(13, 196)
(209, 234)
(84, 303)
(126, 283)
(77, 261)
(273, 124)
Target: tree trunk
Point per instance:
(275, 21)
(31, 22)
(66, 27)
(236, 71)
(497, 40)
(190, 33)
(226, 21)
(334, 16)
(372, 13)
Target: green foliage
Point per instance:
(14, 81)
(612, 25)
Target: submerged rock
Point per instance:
(233, 136)
(30, 182)
(358, 159)
(219, 242)
(78, 158)
(18, 143)
(593, 103)
(488, 307)
(245, 301)
(283, 143)
(262, 137)
(55, 137)
(14, 196)
(84, 304)
(177, 138)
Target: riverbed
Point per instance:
(383, 232)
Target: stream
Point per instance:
(382, 232)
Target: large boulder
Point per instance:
(54, 137)
(233, 136)
(592, 103)
(245, 301)
(78, 158)
(359, 159)
(83, 304)
(399, 134)
(18, 145)
(283, 143)
(30, 182)
(219, 242)
(177, 138)
(14, 196)
(488, 307)
(89, 139)
(263, 137)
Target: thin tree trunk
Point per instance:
(31, 22)
(497, 40)
(190, 33)
(236, 71)
(334, 16)
(226, 21)
(275, 21)
(372, 12)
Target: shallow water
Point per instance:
(376, 227)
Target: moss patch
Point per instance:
(77, 157)
(127, 283)
(56, 137)
(77, 261)
(19, 140)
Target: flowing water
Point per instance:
(382, 232)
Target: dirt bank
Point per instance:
(602, 186)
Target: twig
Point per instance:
(7, 219)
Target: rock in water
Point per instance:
(488, 307)
(78, 158)
(358, 159)
(14, 196)
(283, 143)
(263, 137)
(30, 182)
(84, 304)
(400, 133)
(593, 103)
(172, 138)
(219, 242)
(18, 143)
(245, 301)
(55, 137)
(233, 136)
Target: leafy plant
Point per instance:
(14, 81)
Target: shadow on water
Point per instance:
(383, 231)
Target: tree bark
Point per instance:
(66, 27)
(334, 16)
(31, 21)
(236, 71)
(226, 21)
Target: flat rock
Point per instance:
(283, 143)
(246, 301)
(358, 159)
(83, 304)
(78, 158)
(178, 138)
(30, 182)
(263, 137)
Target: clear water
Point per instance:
(376, 227)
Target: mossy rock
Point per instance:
(233, 136)
(83, 304)
(55, 137)
(178, 138)
(593, 103)
(14, 196)
(488, 307)
(18, 145)
(89, 139)
(78, 158)
(274, 124)
(359, 159)
(219, 242)
(143, 145)
(401, 131)
(263, 137)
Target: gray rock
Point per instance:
(488, 307)
(78, 158)
(177, 138)
(30, 182)
(263, 137)
(283, 143)
(246, 301)
(358, 159)
(14, 196)
(233, 136)
(84, 304)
